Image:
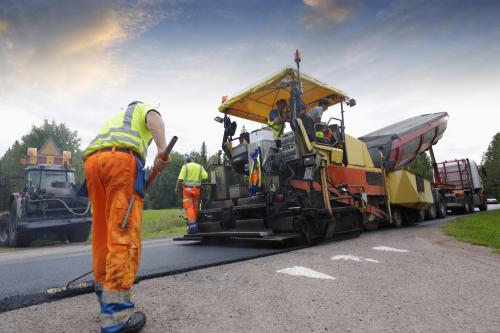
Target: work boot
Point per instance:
(135, 323)
(192, 227)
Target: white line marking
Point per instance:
(372, 260)
(347, 257)
(304, 271)
(386, 248)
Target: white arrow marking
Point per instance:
(386, 248)
(304, 271)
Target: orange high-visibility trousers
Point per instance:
(191, 202)
(115, 251)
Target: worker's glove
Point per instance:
(160, 164)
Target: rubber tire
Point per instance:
(431, 212)
(409, 217)
(483, 207)
(78, 233)
(441, 209)
(421, 215)
(370, 226)
(4, 232)
(397, 217)
(16, 238)
(466, 208)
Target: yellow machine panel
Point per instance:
(408, 191)
(357, 152)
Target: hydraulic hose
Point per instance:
(69, 209)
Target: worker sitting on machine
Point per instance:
(278, 117)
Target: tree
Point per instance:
(421, 166)
(490, 163)
(204, 155)
(65, 138)
(162, 193)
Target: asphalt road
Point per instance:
(412, 279)
(26, 274)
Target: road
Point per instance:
(411, 279)
(27, 273)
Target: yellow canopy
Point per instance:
(256, 102)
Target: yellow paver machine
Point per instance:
(300, 184)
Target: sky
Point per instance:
(79, 62)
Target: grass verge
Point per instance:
(162, 223)
(478, 229)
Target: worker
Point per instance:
(316, 113)
(114, 174)
(277, 118)
(190, 178)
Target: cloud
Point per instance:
(323, 12)
(4, 25)
(61, 49)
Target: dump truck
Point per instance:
(298, 185)
(48, 206)
(458, 186)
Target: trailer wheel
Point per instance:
(421, 215)
(78, 233)
(397, 217)
(440, 206)
(466, 208)
(431, 212)
(410, 217)
(483, 207)
(16, 238)
(4, 232)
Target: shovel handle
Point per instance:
(164, 156)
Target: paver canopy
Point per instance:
(256, 102)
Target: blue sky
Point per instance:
(80, 61)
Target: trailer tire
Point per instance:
(441, 206)
(430, 213)
(466, 209)
(4, 232)
(421, 215)
(78, 233)
(410, 217)
(483, 207)
(397, 218)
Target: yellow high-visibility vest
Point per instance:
(192, 174)
(127, 129)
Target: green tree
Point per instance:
(491, 166)
(421, 166)
(204, 155)
(162, 193)
(65, 138)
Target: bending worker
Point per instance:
(190, 178)
(277, 118)
(114, 174)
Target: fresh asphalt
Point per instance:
(26, 274)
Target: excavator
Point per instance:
(299, 185)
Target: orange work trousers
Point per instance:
(191, 202)
(115, 251)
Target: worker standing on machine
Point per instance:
(115, 178)
(317, 112)
(277, 118)
(190, 178)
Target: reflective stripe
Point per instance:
(118, 318)
(118, 130)
(115, 296)
(127, 120)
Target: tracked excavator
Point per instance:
(301, 186)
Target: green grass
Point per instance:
(478, 229)
(162, 223)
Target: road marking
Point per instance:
(386, 248)
(304, 271)
(347, 257)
